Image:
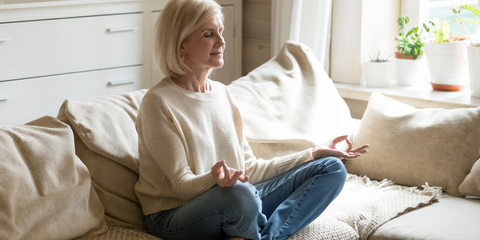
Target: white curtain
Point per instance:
(306, 21)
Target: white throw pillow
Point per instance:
(289, 104)
(412, 146)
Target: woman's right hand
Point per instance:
(330, 149)
(226, 176)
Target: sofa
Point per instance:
(72, 176)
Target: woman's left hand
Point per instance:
(329, 149)
(227, 176)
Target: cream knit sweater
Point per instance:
(182, 134)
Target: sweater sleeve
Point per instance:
(260, 170)
(167, 148)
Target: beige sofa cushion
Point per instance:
(290, 104)
(45, 189)
(471, 184)
(450, 218)
(107, 142)
(412, 146)
(114, 184)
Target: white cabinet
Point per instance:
(57, 50)
(75, 49)
(25, 100)
(58, 46)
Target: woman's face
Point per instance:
(203, 49)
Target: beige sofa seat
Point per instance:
(449, 218)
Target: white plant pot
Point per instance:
(448, 65)
(377, 74)
(474, 69)
(408, 72)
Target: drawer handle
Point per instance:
(122, 29)
(4, 96)
(120, 82)
(4, 39)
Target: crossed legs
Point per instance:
(275, 209)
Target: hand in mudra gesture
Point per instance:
(226, 176)
(329, 149)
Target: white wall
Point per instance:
(345, 44)
(359, 28)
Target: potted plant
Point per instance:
(473, 52)
(410, 50)
(377, 71)
(447, 58)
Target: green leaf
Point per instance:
(411, 42)
(469, 8)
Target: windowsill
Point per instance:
(421, 96)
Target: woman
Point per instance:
(193, 152)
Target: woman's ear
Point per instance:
(183, 50)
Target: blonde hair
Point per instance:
(177, 21)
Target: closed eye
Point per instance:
(210, 33)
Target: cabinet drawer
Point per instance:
(22, 101)
(58, 46)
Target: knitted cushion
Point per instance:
(118, 233)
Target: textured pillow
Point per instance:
(289, 103)
(471, 184)
(45, 189)
(107, 142)
(412, 146)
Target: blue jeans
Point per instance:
(274, 209)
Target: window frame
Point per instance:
(418, 12)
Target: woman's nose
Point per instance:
(220, 40)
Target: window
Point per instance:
(442, 9)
